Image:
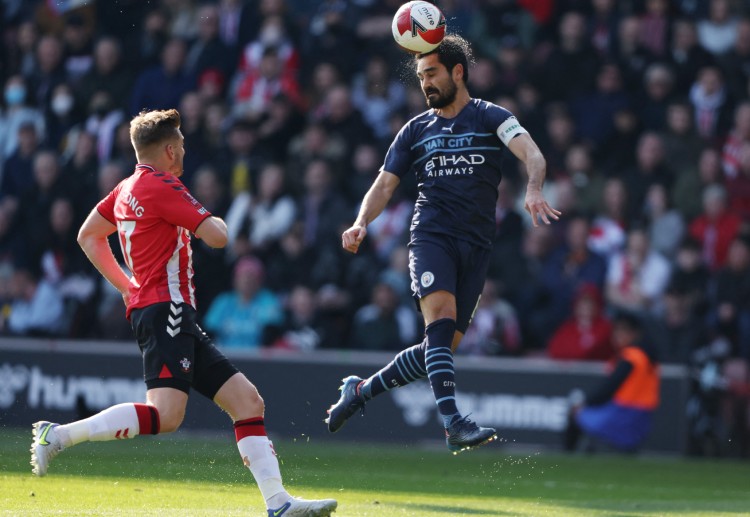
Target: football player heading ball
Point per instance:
(456, 150)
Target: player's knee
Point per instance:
(255, 404)
(170, 419)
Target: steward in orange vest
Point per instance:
(619, 411)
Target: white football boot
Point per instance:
(296, 507)
(46, 445)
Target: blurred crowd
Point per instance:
(641, 108)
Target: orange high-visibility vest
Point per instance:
(641, 388)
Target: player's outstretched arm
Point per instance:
(527, 151)
(213, 231)
(373, 204)
(92, 237)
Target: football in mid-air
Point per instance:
(418, 27)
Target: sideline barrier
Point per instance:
(525, 399)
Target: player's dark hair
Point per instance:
(154, 127)
(453, 50)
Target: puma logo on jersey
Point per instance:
(134, 205)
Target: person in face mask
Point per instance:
(15, 114)
(60, 117)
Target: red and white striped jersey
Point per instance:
(155, 214)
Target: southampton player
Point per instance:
(154, 215)
(454, 149)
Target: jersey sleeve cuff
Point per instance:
(199, 221)
(104, 216)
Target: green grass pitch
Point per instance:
(190, 475)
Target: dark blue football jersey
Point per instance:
(458, 164)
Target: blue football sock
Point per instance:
(406, 367)
(439, 366)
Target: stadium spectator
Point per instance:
(607, 235)
(183, 16)
(567, 268)
(636, 277)
(290, 262)
(572, 63)
(603, 26)
(730, 297)
(509, 236)
(676, 333)
(654, 27)
(340, 117)
(738, 135)
(321, 208)
(619, 411)
(78, 47)
(718, 33)
(34, 206)
(13, 249)
(108, 74)
(652, 167)
(61, 117)
(682, 145)
(689, 278)
(716, 227)
(376, 95)
(254, 88)
(237, 22)
(153, 38)
(384, 323)
(21, 55)
(162, 86)
(711, 103)
(686, 55)
(322, 78)
(618, 153)
(17, 114)
(632, 56)
(330, 36)
(396, 275)
(511, 69)
(272, 35)
(258, 222)
(192, 112)
(315, 142)
(736, 62)
(586, 334)
(390, 229)
(37, 308)
(738, 187)
(594, 111)
(666, 226)
(495, 329)
(658, 91)
(280, 124)
(240, 159)
(302, 329)
(560, 135)
(49, 71)
(238, 318)
(364, 168)
(688, 188)
(17, 177)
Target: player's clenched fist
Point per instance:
(352, 237)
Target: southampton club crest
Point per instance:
(185, 364)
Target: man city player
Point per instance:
(453, 148)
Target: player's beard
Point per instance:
(442, 99)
